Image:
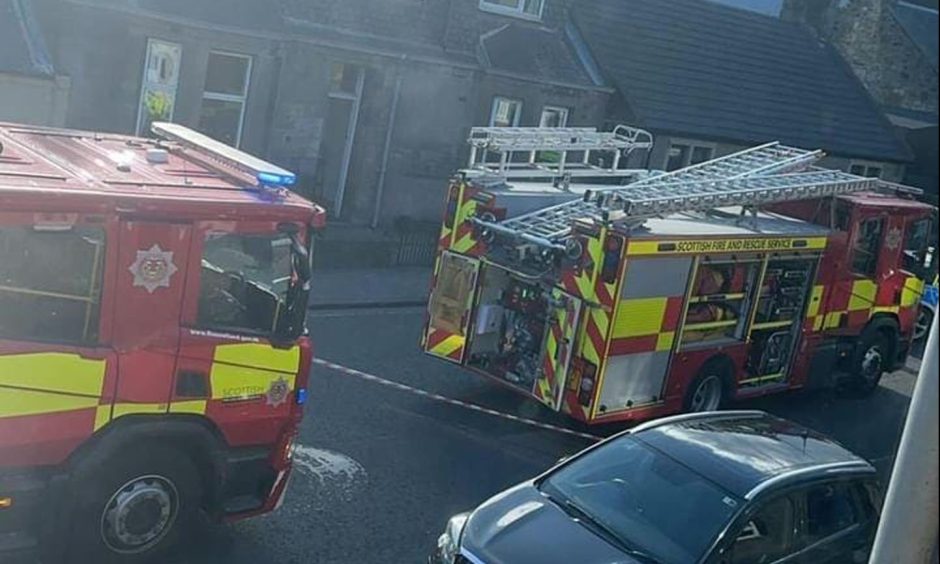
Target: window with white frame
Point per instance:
(866, 168)
(531, 9)
(158, 86)
(554, 116)
(506, 112)
(686, 153)
(224, 97)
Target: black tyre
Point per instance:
(133, 507)
(709, 390)
(872, 358)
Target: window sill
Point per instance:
(508, 12)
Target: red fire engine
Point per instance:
(153, 351)
(753, 273)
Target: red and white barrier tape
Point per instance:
(443, 399)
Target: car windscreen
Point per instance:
(647, 500)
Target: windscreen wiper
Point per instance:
(603, 530)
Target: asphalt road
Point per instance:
(380, 469)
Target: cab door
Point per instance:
(238, 366)
(557, 346)
(450, 307)
(151, 275)
(57, 368)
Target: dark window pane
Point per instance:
(343, 77)
(857, 169)
(227, 74)
(244, 283)
(220, 120)
(50, 283)
(533, 7)
(829, 509)
(701, 154)
(915, 245)
(766, 536)
(865, 258)
(678, 157)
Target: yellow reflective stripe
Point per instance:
(195, 407)
(885, 309)
(260, 356)
(18, 402)
(710, 325)
(912, 291)
(832, 320)
(766, 378)
(53, 372)
(243, 382)
(818, 322)
(449, 345)
(637, 317)
(102, 416)
(664, 341)
(643, 248)
(815, 300)
(772, 324)
(863, 295)
(735, 245)
(122, 409)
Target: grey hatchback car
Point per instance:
(730, 487)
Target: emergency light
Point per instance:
(268, 175)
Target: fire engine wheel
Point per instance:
(707, 392)
(872, 358)
(135, 506)
(922, 325)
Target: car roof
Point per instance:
(89, 168)
(744, 451)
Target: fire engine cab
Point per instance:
(641, 294)
(153, 351)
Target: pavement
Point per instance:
(389, 449)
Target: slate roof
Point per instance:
(535, 51)
(920, 25)
(21, 47)
(704, 70)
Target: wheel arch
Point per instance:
(724, 364)
(196, 436)
(886, 324)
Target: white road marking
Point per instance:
(443, 399)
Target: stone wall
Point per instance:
(892, 69)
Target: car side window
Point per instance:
(767, 536)
(830, 509)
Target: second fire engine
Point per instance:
(745, 275)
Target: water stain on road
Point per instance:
(333, 471)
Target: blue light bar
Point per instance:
(271, 179)
(301, 396)
(267, 174)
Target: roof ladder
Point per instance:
(543, 152)
(705, 185)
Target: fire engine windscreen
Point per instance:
(509, 328)
(251, 283)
